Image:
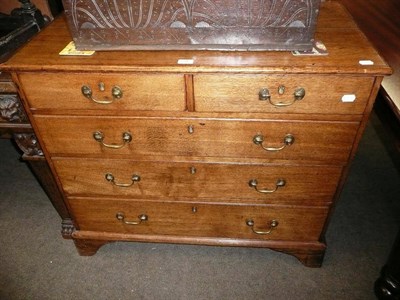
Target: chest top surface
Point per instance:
(346, 45)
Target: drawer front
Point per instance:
(315, 141)
(211, 182)
(322, 94)
(120, 91)
(200, 220)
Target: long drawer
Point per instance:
(199, 220)
(110, 92)
(208, 182)
(289, 140)
(282, 93)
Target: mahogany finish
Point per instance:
(146, 92)
(206, 182)
(210, 138)
(192, 153)
(226, 93)
(199, 220)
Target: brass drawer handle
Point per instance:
(279, 183)
(110, 177)
(264, 95)
(298, 94)
(126, 139)
(272, 225)
(121, 217)
(287, 141)
(116, 93)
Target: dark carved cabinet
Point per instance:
(15, 30)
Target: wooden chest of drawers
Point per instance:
(226, 148)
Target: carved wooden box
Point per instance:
(192, 24)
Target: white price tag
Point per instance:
(366, 62)
(349, 98)
(185, 61)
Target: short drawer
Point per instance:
(114, 92)
(208, 182)
(199, 220)
(282, 93)
(270, 140)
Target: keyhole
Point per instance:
(102, 86)
(190, 129)
(281, 89)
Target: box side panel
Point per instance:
(201, 24)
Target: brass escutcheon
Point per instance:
(102, 87)
(281, 89)
(190, 129)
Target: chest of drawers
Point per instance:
(228, 148)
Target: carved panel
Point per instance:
(11, 109)
(6, 85)
(268, 24)
(28, 143)
(67, 228)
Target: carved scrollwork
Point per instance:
(191, 14)
(11, 109)
(67, 228)
(228, 22)
(28, 143)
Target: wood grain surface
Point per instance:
(139, 91)
(314, 141)
(223, 221)
(206, 182)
